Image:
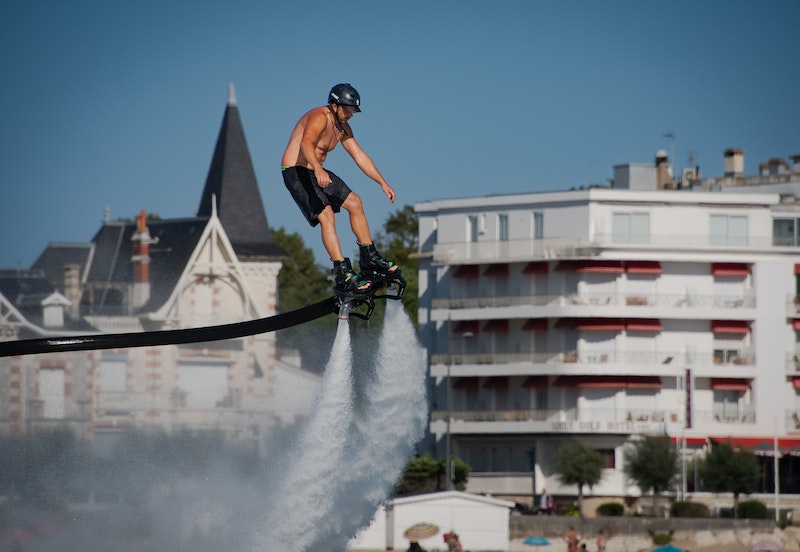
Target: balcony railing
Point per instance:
(682, 358)
(565, 248)
(719, 415)
(599, 300)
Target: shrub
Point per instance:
(610, 509)
(752, 509)
(662, 538)
(686, 509)
(571, 510)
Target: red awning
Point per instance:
(730, 269)
(466, 326)
(536, 267)
(498, 269)
(471, 382)
(633, 382)
(762, 443)
(537, 382)
(467, 271)
(796, 324)
(730, 384)
(730, 326)
(643, 267)
(496, 326)
(592, 266)
(496, 382)
(598, 324)
(797, 268)
(535, 325)
(643, 325)
(796, 382)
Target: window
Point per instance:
(728, 230)
(113, 374)
(472, 228)
(609, 459)
(51, 391)
(726, 405)
(784, 232)
(502, 227)
(538, 226)
(203, 386)
(630, 228)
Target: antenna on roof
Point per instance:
(231, 94)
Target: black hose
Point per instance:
(169, 337)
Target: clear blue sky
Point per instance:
(119, 103)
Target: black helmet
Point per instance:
(344, 94)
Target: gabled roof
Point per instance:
(232, 181)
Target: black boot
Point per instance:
(372, 262)
(347, 279)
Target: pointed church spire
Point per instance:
(232, 183)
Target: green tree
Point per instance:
(725, 470)
(425, 474)
(302, 282)
(579, 464)
(398, 242)
(652, 463)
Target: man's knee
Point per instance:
(353, 203)
(326, 216)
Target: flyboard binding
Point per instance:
(361, 304)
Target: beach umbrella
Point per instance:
(419, 531)
(668, 548)
(536, 541)
(766, 546)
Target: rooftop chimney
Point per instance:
(734, 162)
(72, 287)
(663, 176)
(141, 261)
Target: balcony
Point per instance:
(584, 420)
(565, 248)
(604, 300)
(661, 361)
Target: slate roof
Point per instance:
(177, 239)
(59, 254)
(232, 180)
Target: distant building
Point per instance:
(603, 314)
(216, 267)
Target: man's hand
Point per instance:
(389, 192)
(322, 176)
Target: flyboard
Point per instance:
(382, 286)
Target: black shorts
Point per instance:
(310, 196)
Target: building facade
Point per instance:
(218, 266)
(607, 313)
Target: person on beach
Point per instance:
(601, 541)
(573, 539)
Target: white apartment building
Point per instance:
(605, 313)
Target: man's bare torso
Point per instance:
(324, 141)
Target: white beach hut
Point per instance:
(481, 522)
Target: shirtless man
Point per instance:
(320, 193)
